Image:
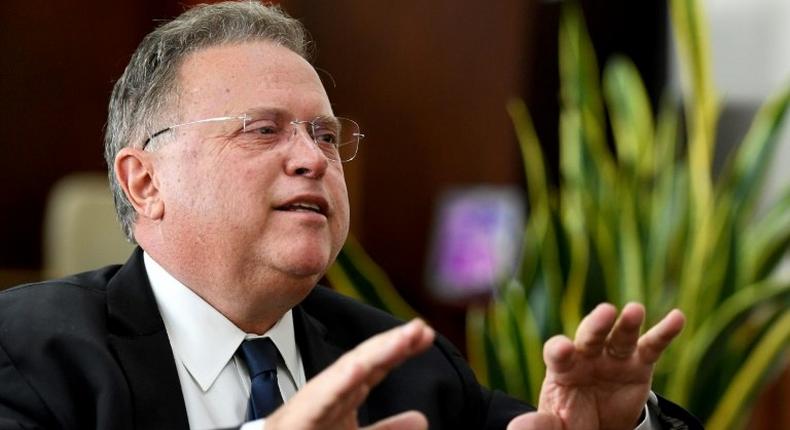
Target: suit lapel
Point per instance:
(318, 352)
(139, 340)
(138, 337)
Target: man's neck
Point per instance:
(253, 303)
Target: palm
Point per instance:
(593, 389)
(601, 380)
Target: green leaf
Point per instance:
(631, 117)
(540, 250)
(573, 221)
(766, 242)
(744, 385)
(578, 65)
(701, 103)
(506, 354)
(715, 327)
(744, 175)
(495, 369)
(476, 343)
(526, 339)
(583, 150)
(667, 213)
(355, 274)
(692, 35)
(631, 279)
(537, 190)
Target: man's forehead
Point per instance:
(234, 59)
(248, 70)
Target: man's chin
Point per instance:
(307, 271)
(304, 263)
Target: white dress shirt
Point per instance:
(215, 383)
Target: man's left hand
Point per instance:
(600, 380)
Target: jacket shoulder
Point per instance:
(54, 352)
(333, 308)
(55, 297)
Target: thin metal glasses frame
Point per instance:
(245, 118)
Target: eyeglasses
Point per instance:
(337, 138)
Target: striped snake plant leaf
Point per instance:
(766, 242)
(744, 174)
(715, 327)
(355, 274)
(744, 385)
(631, 118)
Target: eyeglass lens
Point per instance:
(338, 138)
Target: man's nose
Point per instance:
(304, 156)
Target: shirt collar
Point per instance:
(202, 338)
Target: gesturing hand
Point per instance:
(330, 400)
(600, 380)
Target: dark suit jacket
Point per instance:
(91, 351)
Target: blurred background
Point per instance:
(427, 80)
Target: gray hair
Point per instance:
(145, 95)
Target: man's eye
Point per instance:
(261, 133)
(264, 130)
(326, 133)
(261, 126)
(326, 136)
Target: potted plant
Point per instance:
(646, 222)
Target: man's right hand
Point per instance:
(330, 400)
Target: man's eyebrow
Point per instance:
(261, 111)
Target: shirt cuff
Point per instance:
(261, 425)
(650, 422)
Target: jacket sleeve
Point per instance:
(502, 408)
(20, 405)
(672, 416)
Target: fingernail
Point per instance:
(411, 326)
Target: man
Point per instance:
(226, 162)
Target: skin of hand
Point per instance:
(330, 400)
(600, 380)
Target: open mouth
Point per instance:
(309, 205)
(301, 207)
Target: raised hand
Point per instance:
(600, 380)
(330, 400)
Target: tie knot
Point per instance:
(260, 355)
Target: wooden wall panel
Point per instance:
(429, 82)
(59, 62)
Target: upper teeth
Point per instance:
(308, 206)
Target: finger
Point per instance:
(535, 421)
(409, 420)
(343, 407)
(558, 354)
(330, 398)
(621, 342)
(338, 391)
(592, 331)
(379, 354)
(656, 340)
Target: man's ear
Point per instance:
(134, 171)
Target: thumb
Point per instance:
(536, 421)
(409, 420)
